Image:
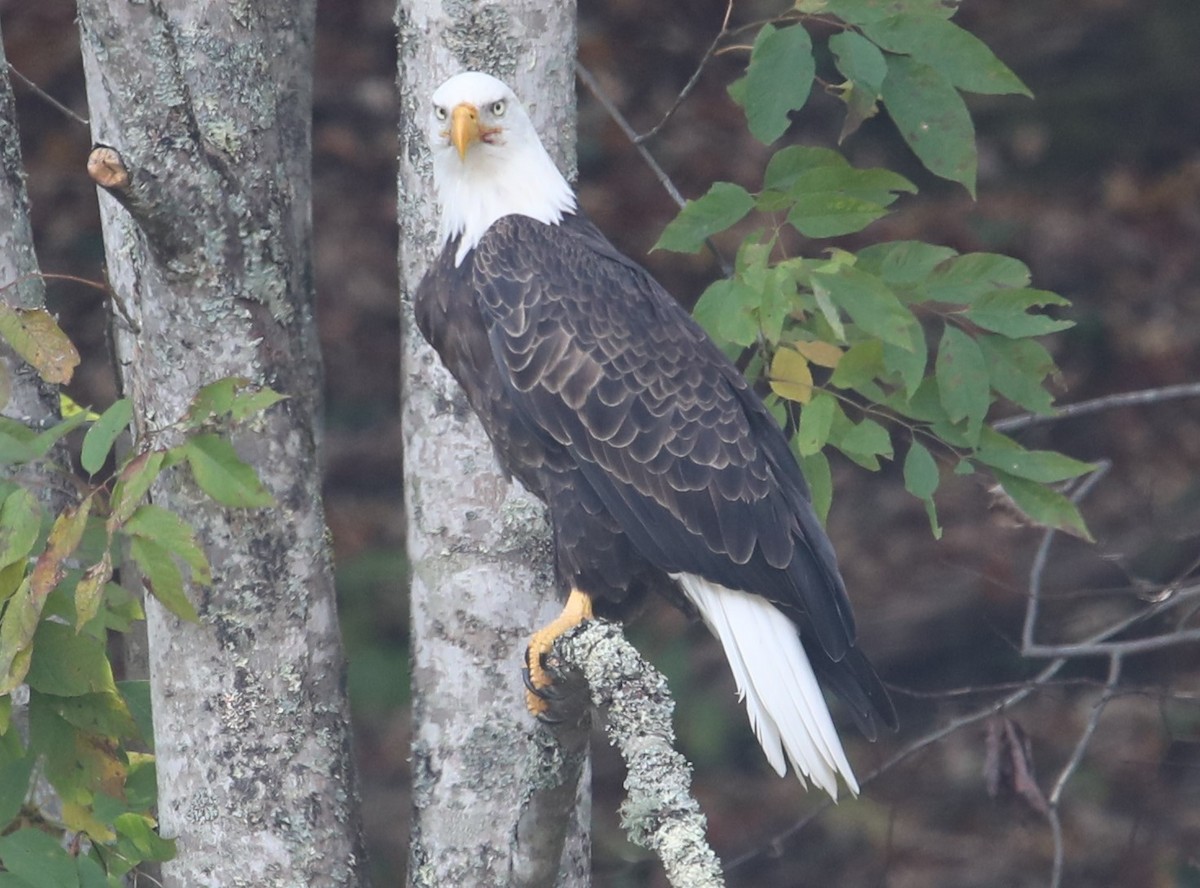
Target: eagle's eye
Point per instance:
(498, 108)
(439, 112)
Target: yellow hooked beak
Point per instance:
(464, 128)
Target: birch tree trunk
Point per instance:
(497, 799)
(208, 248)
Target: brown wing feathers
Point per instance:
(600, 359)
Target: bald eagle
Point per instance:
(661, 468)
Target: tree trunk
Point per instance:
(208, 247)
(29, 400)
(497, 800)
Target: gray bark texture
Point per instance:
(498, 800)
(659, 812)
(30, 400)
(208, 245)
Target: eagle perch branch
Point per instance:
(659, 812)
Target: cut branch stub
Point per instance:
(107, 168)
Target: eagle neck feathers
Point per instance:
(489, 185)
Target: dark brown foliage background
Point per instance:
(1096, 185)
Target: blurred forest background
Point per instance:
(1095, 184)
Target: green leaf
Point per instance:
(213, 400)
(66, 664)
(170, 531)
(139, 829)
(962, 379)
(137, 699)
(20, 525)
(133, 483)
(163, 578)
(17, 628)
(964, 279)
(778, 79)
(816, 419)
(908, 363)
(1006, 312)
(861, 364)
(932, 118)
(100, 437)
(1044, 506)
(15, 442)
(91, 874)
(14, 786)
(870, 303)
(141, 792)
(723, 205)
(816, 471)
(921, 479)
(864, 68)
(865, 442)
(253, 400)
(39, 859)
(964, 59)
(1017, 368)
(903, 263)
(89, 591)
(43, 441)
(103, 713)
(221, 473)
(858, 59)
(860, 12)
(725, 311)
(1043, 466)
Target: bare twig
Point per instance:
(659, 812)
(691, 84)
(1042, 557)
(1069, 769)
(659, 173)
(614, 112)
(46, 97)
(1097, 405)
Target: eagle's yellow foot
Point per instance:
(540, 694)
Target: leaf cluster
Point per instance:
(902, 346)
(63, 590)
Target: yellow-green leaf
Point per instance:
(36, 337)
(791, 377)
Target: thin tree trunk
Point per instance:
(29, 400)
(497, 799)
(208, 247)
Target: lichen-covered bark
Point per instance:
(208, 104)
(497, 799)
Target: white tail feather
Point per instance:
(783, 700)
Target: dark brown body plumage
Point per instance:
(654, 456)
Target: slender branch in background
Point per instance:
(691, 84)
(659, 173)
(46, 97)
(615, 113)
(1097, 405)
(1110, 691)
(1096, 644)
(1042, 557)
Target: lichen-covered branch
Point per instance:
(659, 812)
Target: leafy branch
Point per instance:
(62, 591)
(901, 346)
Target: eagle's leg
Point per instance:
(539, 696)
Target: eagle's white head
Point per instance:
(488, 161)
